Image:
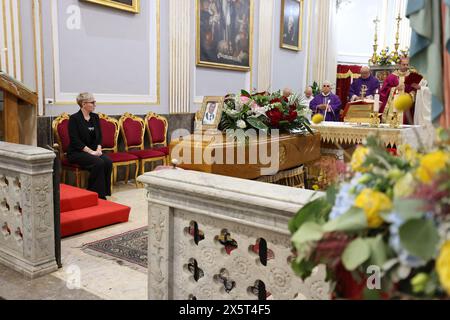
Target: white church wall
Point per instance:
(71, 46)
(355, 29)
(290, 67)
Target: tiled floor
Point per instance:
(99, 278)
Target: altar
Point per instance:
(340, 139)
(345, 133)
(254, 159)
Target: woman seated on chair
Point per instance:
(85, 147)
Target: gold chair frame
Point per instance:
(149, 116)
(141, 146)
(115, 149)
(77, 171)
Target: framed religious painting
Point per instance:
(291, 28)
(208, 118)
(224, 34)
(127, 5)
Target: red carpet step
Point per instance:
(74, 199)
(82, 211)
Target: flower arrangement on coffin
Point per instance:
(389, 219)
(264, 111)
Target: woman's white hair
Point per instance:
(84, 97)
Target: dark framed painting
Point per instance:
(127, 5)
(224, 34)
(291, 24)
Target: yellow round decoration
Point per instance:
(443, 266)
(317, 118)
(403, 102)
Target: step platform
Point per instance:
(82, 211)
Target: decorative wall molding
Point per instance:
(38, 54)
(152, 98)
(266, 15)
(180, 63)
(10, 36)
(324, 56)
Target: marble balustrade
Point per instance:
(27, 242)
(220, 238)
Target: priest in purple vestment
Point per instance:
(327, 103)
(369, 81)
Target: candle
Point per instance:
(376, 105)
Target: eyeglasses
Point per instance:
(93, 102)
(326, 86)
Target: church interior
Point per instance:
(239, 150)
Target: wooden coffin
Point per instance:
(211, 153)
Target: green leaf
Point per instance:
(308, 232)
(257, 124)
(370, 294)
(332, 192)
(420, 238)
(409, 209)
(378, 254)
(245, 93)
(356, 253)
(315, 211)
(354, 220)
(303, 268)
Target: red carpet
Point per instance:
(82, 211)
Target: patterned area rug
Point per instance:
(129, 248)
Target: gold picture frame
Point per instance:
(291, 31)
(210, 115)
(212, 32)
(126, 5)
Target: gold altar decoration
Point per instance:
(294, 151)
(394, 120)
(348, 133)
(293, 178)
(375, 120)
(358, 112)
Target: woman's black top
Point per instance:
(84, 133)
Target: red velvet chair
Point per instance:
(157, 127)
(133, 131)
(110, 134)
(61, 133)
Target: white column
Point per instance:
(37, 22)
(10, 46)
(325, 49)
(266, 14)
(179, 83)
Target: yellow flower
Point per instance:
(443, 266)
(316, 187)
(317, 118)
(431, 164)
(373, 202)
(404, 186)
(358, 158)
(408, 153)
(403, 102)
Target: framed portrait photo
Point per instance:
(291, 24)
(126, 5)
(210, 115)
(224, 34)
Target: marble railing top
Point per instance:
(230, 189)
(24, 152)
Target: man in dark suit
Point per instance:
(85, 147)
